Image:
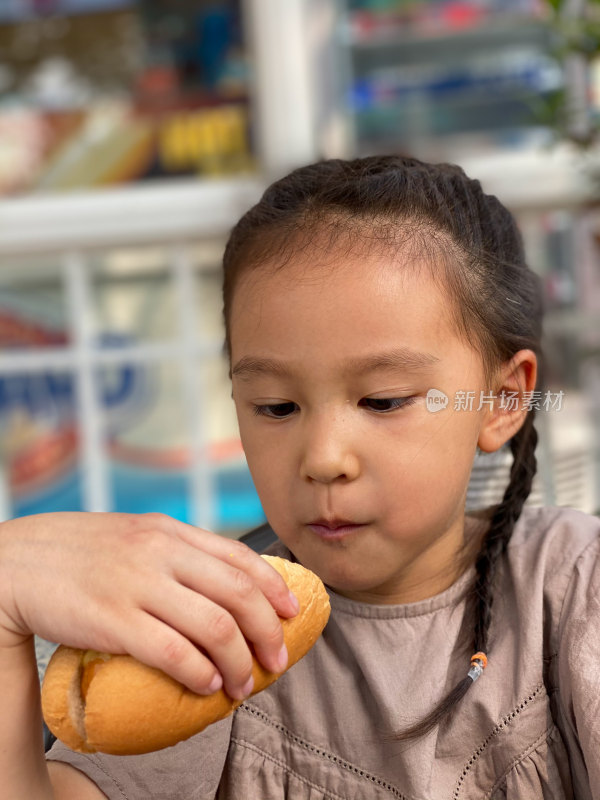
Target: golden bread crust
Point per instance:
(132, 708)
(62, 707)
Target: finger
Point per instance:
(211, 627)
(159, 645)
(238, 593)
(243, 557)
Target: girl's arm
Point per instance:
(146, 585)
(70, 784)
(22, 762)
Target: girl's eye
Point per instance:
(386, 404)
(275, 410)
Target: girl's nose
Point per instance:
(328, 453)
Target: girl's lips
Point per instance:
(334, 530)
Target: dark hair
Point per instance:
(391, 200)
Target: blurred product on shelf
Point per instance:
(490, 91)
(113, 143)
(100, 92)
(16, 10)
(371, 20)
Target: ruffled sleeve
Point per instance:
(192, 768)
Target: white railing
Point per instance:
(70, 229)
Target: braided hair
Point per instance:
(387, 201)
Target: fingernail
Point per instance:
(294, 602)
(282, 658)
(248, 686)
(215, 684)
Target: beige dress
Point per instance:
(528, 729)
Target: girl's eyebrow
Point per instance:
(401, 358)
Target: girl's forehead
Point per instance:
(338, 271)
(349, 296)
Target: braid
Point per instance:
(502, 523)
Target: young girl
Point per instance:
(363, 300)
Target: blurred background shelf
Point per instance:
(418, 72)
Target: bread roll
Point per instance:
(114, 704)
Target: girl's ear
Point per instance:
(515, 384)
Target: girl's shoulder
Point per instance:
(554, 539)
(550, 576)
(554, 558)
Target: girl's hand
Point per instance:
(175, 597)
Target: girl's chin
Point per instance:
(349, 580)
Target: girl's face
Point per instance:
(331, 366)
